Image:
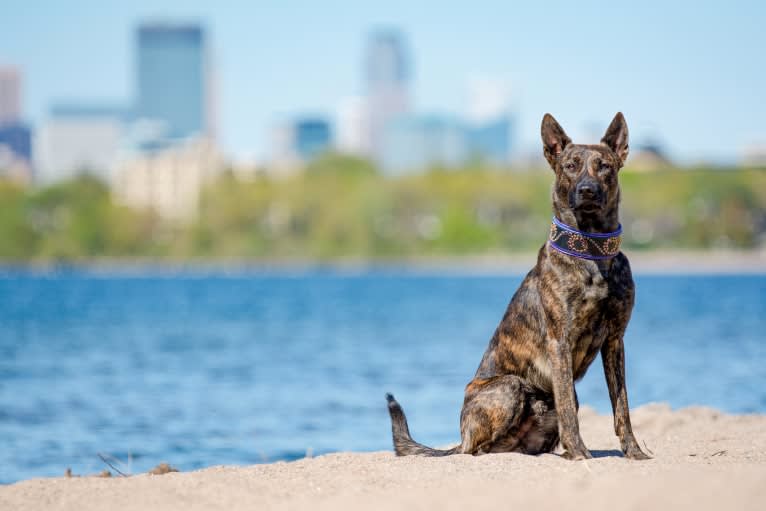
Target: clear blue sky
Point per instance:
(691, 73)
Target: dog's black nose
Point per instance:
(586, 190)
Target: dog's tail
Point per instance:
(404, 445)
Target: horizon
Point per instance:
(690, 85)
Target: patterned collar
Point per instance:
(586, 245)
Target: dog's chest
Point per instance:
(589, 325)
(588, 302)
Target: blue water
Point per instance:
(213, 368)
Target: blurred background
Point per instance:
(209, 215)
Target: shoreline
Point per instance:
(662, 262)
(703, 459)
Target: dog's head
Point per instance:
(586, 190)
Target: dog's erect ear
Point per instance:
(554, 139)
(616, 137)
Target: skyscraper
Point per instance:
(387, 78)
(15, 136)
(173, 81)
(10, 95)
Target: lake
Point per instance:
(202, 368)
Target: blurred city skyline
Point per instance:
(683, 74)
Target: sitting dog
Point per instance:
(575, 303)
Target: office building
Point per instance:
(387, 75)
(753, 155)
(414, 143)
(312, 137)
(15, 135)
(77, 139)
(10, 95)
(173, 82)
(296, 142)
(352, 124)
(17, 138)
(168, 181)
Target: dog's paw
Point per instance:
(634, 452)
(578, 454)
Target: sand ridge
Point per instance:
(703, 459)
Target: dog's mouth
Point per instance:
(589, 207)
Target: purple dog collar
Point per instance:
(585, 245)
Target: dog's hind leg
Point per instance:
(496, 415)
(543, 435)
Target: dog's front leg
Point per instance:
(564, 396)
(613, 356)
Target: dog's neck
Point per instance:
(600, 222)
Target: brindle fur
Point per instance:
(566, 311)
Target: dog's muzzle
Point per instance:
(588, 195)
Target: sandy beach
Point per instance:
(703, 459)
(659, 261)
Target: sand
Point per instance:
(703, 459)
(658, 261)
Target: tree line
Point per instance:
(341, 206)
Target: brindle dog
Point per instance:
(566, 311)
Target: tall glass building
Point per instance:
(387, 74)
(387, 65)
(173, 78)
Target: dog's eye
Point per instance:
(606, 167)
(569, 166)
